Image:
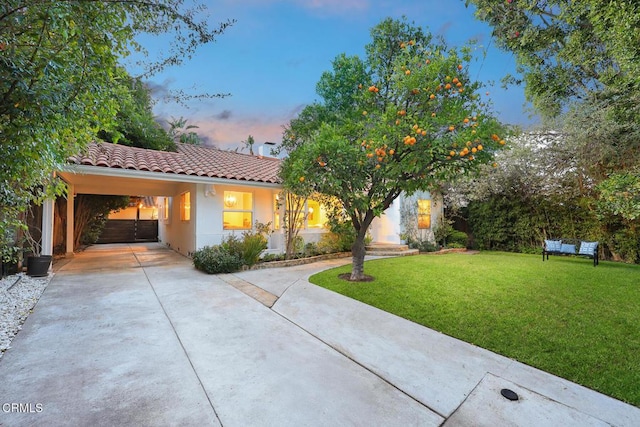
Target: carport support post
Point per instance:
(47, 226)
(70, 219)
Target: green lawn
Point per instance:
(563, 316)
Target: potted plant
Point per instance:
(37, 264)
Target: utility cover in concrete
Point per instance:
(486, 406)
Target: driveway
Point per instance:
(134, 335)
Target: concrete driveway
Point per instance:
(134, 335)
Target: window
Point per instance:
(316, 215)
(166, 208)
(238, 210)
(424, 214)
(185, 206)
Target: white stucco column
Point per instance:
(386, 228)
(70, 218)
(47, 226)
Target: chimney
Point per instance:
(261, 148)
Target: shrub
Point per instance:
(423, 245)
(252, 245)
(216, 259)
(457, 239)
(233, 245)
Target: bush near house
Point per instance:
(234, 252)
(216, 259)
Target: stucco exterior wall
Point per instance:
(386, 228)
(177, 234)
(210, 227)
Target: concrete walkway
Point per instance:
(134, 335)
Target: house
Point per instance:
(203, 194)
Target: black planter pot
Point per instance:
(9, 268)
(38, 266)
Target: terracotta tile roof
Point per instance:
(189, 160)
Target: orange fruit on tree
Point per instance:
(407, 72)
(301, 179)
(480, 147)
(452, 128)
(432, 96)
(447, 86)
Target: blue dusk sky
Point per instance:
(271, 59)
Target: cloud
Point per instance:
(159, 90)
(442, 31)
(224, 115)
(229, 133)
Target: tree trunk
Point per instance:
(358, 251)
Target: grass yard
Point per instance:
(563, 315)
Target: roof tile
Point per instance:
(190, 159)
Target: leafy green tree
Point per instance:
(60, 82)
(403, 119)
(180, 131)
(135, 124)
(580, 63)
(568, 50)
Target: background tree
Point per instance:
(180, 131)
(580, 63)
(60, 82)
(135, 124)
(248, 143)
(402, 120)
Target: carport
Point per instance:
(83, 179)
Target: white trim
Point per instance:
(161, 176)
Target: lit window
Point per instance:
(316, 215)
(238, 210)
(424, 214)
(185, 206)
(166, 201)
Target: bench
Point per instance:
(570, 247)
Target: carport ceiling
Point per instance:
(116, 185)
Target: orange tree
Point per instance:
(403, 119)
